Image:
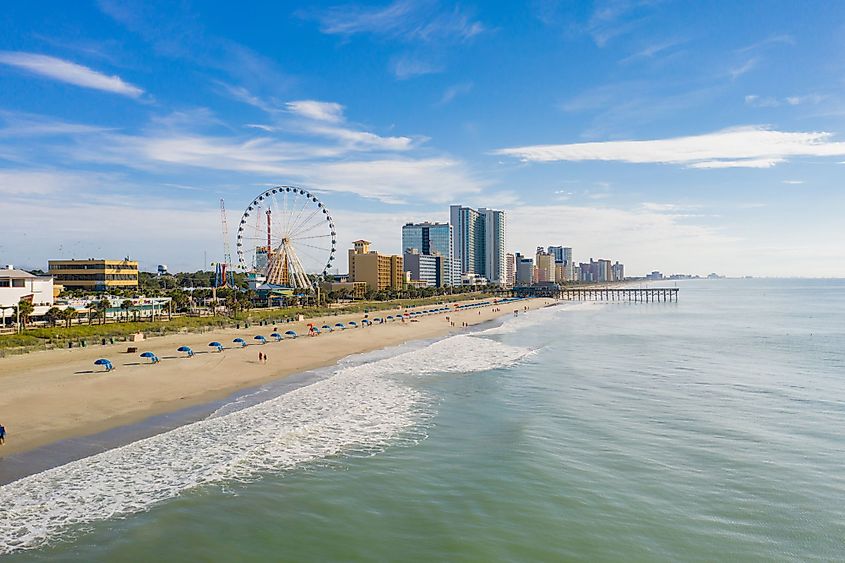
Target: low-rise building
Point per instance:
(379, 271)
(355, 290)
(20, 285)
(432, 269)
(95, 275)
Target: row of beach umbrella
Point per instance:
(154, 359)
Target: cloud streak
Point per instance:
(69, 73)
(402, 19)
(741, 147)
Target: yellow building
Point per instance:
(379, 271)
(544, 265)
(95, 275)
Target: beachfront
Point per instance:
(57, 394)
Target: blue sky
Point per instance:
(680, 136)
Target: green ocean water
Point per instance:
(710, 429)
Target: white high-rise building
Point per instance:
(479, 242)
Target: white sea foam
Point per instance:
(539, 316)
(360, 408)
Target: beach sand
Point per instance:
(57, 394)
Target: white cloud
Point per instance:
(405, 67)
(362, 139)
(744, 68)
(454, 91)
(749, 147)
(403, 19)
(793, 182)
(321, 111)
(71, 73)
(643, 239)
(770, 102)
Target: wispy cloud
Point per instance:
(325, 154)
(455, 91)
(781, 39)
(321, 111)
(174, 31)
(31, 125)
(403, 19)
(754, 100)
(69, 73)
(406, 66)
(651, 51)
(793, 182)
(324, 119)
(745, 147)
(744, 68)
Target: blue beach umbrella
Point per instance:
(353, 324)
(389, 317)
(260, 339)
(340, 326)
(315, 330)
(185, 349)
(217, 345)
(276, 335)
(290, 333)
(326, 327)
(365, 322)
(105, 363)
(240, 341)
(153, 358)
(378, 320)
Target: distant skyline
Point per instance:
(673, 136)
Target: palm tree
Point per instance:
(25, 309)
(126, 305)
(52, 315)
(102, 307)
(68, 315)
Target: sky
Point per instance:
(686, 137)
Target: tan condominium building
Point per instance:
(95, 275)
(379, 271)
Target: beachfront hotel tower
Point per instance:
(379, 271)
(433, 239)
(479, 242)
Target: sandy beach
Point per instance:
(57, 394)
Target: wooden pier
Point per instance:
(649, 295)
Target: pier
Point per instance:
(647, 295)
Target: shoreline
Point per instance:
(59, 398)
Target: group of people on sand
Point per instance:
(262, 358)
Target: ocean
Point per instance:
(708, 429)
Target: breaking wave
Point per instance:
(360, 408)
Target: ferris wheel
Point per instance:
(285, 234)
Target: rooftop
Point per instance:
(9, 272)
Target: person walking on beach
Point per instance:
(2, 434)
(260, 358)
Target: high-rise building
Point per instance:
(510, 269)
(561, 253)
(479, 242)
(379, 271)
(545, 267)
(524, 269)
(434, 239)
(618, 271)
